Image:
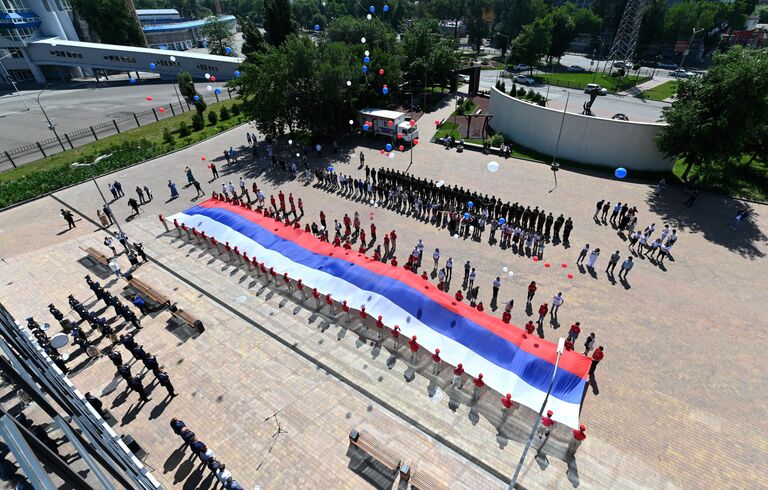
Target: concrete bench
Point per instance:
(422, 481)
(375, 450)
(187, 318)
(96, 255)
(149, 292)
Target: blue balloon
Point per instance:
(388, 147)
(366, 60)
(365, 127)
(331, 169)
(365, 69)
(467, 216)
(196, 97)
(385, 90)
(237, 73)
(620, 173)
(152, 66)
(386, 8)
(317, 27)
(502, 221)
(132, 80)
(470, 204)
(372, 9)
(217, 91)
(228, 50)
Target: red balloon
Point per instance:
(570, 276)
(437, 122)
(389, 123)
(213, 79)
(161, 109)
(413, 122)
(382, 151)
(381, 72)
(547, 265)
(402, 148)
(149, 98)
(565, 266)
(535, 259)
(202, 158)
(416, 141)
(209, 165)
(399, 136)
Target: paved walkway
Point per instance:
(680, 342)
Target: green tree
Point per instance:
(563, 30)
(219, 35)
(112, 21)
(449, 10)
(377, 34)
(187, 89)
(717, 118)
(532, 43)
(762, 13)
(586, 22)
(253, 39)
(304, 11)
(278, 21)
(429, 58)
(511, 16)
(478, 18)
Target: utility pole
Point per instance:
(688, 49)
(12, 81)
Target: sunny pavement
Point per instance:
(680, 390)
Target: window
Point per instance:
(66, 54)
(207, 67)
(120, 59)
(17, 34)
(15, 53)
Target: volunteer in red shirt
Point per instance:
(436, 362)
(459, 296)
(574, 332)
(597, 356)
(530, 327)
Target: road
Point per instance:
(76, 106)
(604, 106)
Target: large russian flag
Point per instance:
(510, 361)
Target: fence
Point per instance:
(41, 149)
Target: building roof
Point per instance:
(165, 53)
(382, 113)
(190, 24)
(157, 12)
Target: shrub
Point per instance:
(168, 136)
(503, 86)
(513, 90)
(235, 109)
(212, 118)
(184, 129)
(224, 114)
(531, 95)
(496, 140)
(198, 122)
(521, 92)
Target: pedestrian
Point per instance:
(199, 191)
(692, 198)
(574, 331)
(165, 382)
(119, 188)
(557, 302)
(598, 208)
(543, 310)
(448, 269)
(103, 219)
(734, 223)
(140, 193)
(436, 258)
(612, 262)
(172, 187)
(139, 303)
(223, 474)
(148, 193)
(135, 385)
(112, 190)
(95, 403)
(583, 254)
(214, 171)
(108, 243)
(660, 187)
(115, 267)
(140, 250)
(496, 285)
(133, 205)
(68, 217)
(597, 356)
(109, 214)
(615, 213)
(593, 258)
(227, 156)
(472, 277)
(589, 344)
(190, 177)
(626, 266)
(531, 292)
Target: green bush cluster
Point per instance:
(212, 118)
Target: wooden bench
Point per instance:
(375, 450)
(422, 481)
(96, 255)
(187, 318)
(149, 292)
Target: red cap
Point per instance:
(549, 413)
(582, 427)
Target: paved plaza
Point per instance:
(677, 401)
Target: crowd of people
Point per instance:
(207, 457)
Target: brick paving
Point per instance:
(680, 365)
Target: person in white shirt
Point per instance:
(448, 268)
(557, 302)
(223, 474)
(593, 258)
(115, 268)
(436, 257)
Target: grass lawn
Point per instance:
(152, 132)
(580, 80)
(661, 92)
(748, 181)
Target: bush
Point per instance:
(212, 118)
(531, 95)
(496, 140)
(235, 109)
(184, 129)
(198, 122)
(513, 90)
(224, 114)
(168, 136)
(503, 86)
(521, 92)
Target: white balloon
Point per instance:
(369, 17)
(392, 155)
(173, 58)
(367, 53)
(362, 40)
(440, 183)
(511, 273)
(298, 154)
(349, 83)
(493, 166)
(290, 142)
(351, 121)
(505, 269)
(209, 87)
(373, 202)
(471, 229)
(207, 76)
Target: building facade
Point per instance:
(165, 29)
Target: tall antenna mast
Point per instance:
(623, 48)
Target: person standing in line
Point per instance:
(557, 302)
(593, 258)
(543, 310)
(531, 292)
(172, 187)
(599, 207)
(115, 268)
(496, 286)
(583, 254)
(467, 268)
(597, 356)
(574, 331)
(633, 239)
(448, 269)
(612, 262)
(472, 277)
(108, 243)
(135, 385)
(589, 344)
(615, 213)
(165, 382)
(626, 266)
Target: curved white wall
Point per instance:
(584, 139)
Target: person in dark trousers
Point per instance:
(140, 193)
(140, 250)
(150, 362)
(165, 382)
(200, 192)
(134, 205)
(95, 403)
(187, 436)
(116, 358)
(692, 198)
(67, 215)
(214, 171)
(597, 356)
(615, 257)
(467, 268)
(177, 425)
(135, 385)
(531, 291)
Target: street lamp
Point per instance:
(127, 247)
(411, 149)
(554, 165)
(13, 82)
(560, 349)
(51, 126)
(597, 68)
(506, 50)
(685, 54)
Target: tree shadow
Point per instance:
(710, 219)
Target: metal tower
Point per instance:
(624, 43)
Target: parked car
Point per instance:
(680, 73)
(575, 68)
(619, 64)
(521, 67)
(524, 80)
(591, 86)
(463, 78)
(668, 66)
